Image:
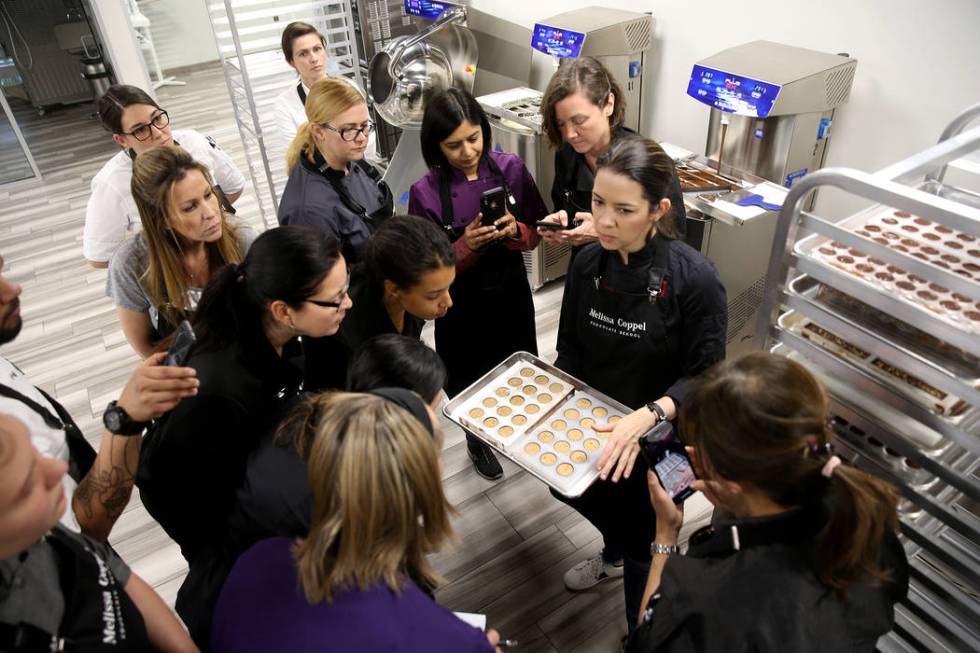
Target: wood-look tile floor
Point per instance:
(514, 540)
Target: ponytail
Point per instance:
(303, 144)
(860, 511)
(762, 419)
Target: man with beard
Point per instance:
(98, 485)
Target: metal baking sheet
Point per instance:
(915, 236)
(569, 437)
(512, 447)
(956, 362)
(918, 434)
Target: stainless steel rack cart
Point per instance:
(897, 342)
(248, 34)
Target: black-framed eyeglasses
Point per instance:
(341, 296)
(142, 132)
(351, 133)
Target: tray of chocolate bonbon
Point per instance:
(915, 236)
(547, 423)
(694, 179)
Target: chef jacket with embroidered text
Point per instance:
(634, 350)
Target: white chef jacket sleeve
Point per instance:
(105, 223)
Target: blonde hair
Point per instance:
(378, 503)
(154, 174)
(328, 98)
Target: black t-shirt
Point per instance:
(572, 188)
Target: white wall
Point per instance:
(918, 65)
(181, 31)
(118, 39)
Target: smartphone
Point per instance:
(181, 346)
(493, 205)
(549, 225)
(668, 460)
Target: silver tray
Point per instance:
(583, 472)
(929, 242)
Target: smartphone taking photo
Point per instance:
(181, 346)
(493, 206)
(668, 459)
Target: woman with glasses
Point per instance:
(331, 187)
(138, 124)
(157, 276)
(304, 49)
(250, 323)
(805, 555)
(493, 316)
(583, 110)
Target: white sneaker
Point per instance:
(591, 572)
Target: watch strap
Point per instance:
(657, 410)
(127, 426)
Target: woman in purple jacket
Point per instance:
(492, 314)
(346, 586)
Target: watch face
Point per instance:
(112, 419)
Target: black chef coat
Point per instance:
(572, 188)
(765, 596)
(311, 198)
(616, 340)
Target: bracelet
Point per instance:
(664, 549)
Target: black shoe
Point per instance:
(484, 461)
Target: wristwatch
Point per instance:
(655, 408)
(664, 549)
(118, 422)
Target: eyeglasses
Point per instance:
(341, 296)
(350, 133)
(143, 132)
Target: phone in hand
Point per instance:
(554, 226)
(184, 339)
(493, 206)
(669, 461)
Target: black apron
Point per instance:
(627, 332)
(493, 311)
(99, 615)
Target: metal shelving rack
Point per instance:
(248, 34)
(939, 484)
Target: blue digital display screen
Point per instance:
(732, 93)
(561, 43)
(426, 8)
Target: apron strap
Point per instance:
(332, 177)
(301, 93)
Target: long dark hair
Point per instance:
(114, 101)
(406, 247)
(588, 76)
(396, 361)
(763, 419)
(287, 263)
(445, 111)
(645, 162)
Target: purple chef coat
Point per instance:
(262, 609)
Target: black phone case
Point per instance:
(492, 206)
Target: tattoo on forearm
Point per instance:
(105, 491)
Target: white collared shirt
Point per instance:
(112, 216)
(51, 443)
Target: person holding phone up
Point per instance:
(583, 110)
(642, 313)
(492, 314)
(807, 557)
